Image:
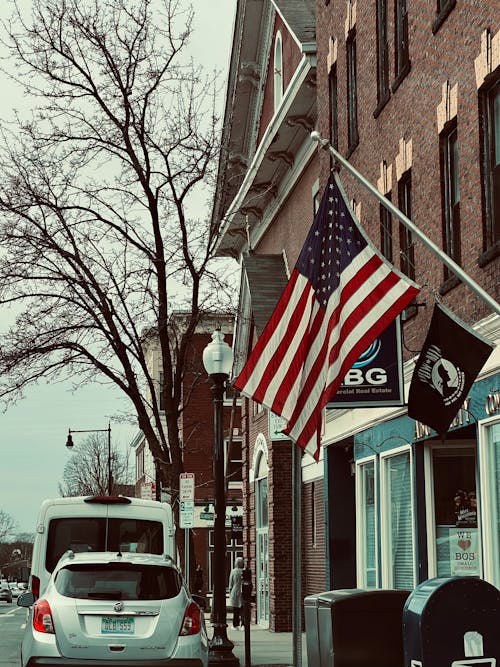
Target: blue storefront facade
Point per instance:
(403, 505)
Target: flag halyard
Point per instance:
(341, 295)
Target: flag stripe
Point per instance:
(346, 355)
(342, 294)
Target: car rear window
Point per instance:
(118, 581)
(101, 534)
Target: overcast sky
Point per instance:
(33, 432)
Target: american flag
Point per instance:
(341, 295)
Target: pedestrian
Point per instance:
(235, 601)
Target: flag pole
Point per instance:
(446, 259)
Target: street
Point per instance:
(12, 621)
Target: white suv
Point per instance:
(111, 609)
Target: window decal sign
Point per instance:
(464, 552)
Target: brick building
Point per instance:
(196, 429)
(409, 93)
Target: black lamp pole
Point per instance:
(70, 445)
(217, 358)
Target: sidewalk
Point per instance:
(267, 648)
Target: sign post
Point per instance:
(186, 513)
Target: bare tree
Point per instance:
(86, 471)
(97, 241)
(8, 526)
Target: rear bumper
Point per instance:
(70, 662)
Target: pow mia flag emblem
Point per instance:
(441, 374)
(451, 359)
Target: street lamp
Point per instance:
(218, 361)
(70, 445)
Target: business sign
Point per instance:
(376, 379)
(186, 500)
(276, 426)
(148, 491)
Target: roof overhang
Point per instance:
(275, 156)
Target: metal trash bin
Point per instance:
(452, 621)
(359, 627)
(311, 603)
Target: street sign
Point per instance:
(186, 514)
(186, 500)
(186, 486)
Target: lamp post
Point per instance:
(218, 361)
(70, 445)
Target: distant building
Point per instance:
(196, 429)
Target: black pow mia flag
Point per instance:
(451, 359)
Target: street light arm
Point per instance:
(70, 444)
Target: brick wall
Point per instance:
(411, 113)
(313, 531)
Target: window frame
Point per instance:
(352, 92)
(450, 194)
(234, 462)
(278, 70)
(362, 557)
(333, 105)
(402, 62)
(387, 570)
(383, 85)
(443, 9)
(488, 514)
(386, 231)
(491, 225)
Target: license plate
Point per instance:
(117, 626)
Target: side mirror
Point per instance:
(26, 599)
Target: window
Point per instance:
(234, 550)
(230, 393)
(367, 564)
(490, 117)
(332, 91)
(450, 194)
(386, 231)
(139, 463)
(443, 8)
(405, 235)
(397, 539)
(123, 581)
(278, 71)
(161, 400)
(402, 54)
(383, 93)
(235, 462)
(352, 93)
(261, 497)
(490, 488)
(99, 534)
(455, 511)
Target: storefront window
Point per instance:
(455, 511)
(398, 521)
(491, 490)
(368, 531)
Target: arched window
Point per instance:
(278, 71)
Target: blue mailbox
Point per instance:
(452, 622)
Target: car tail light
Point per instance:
(35, 586)
(42, 617)
(191, 623)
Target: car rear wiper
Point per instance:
(105, 595)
